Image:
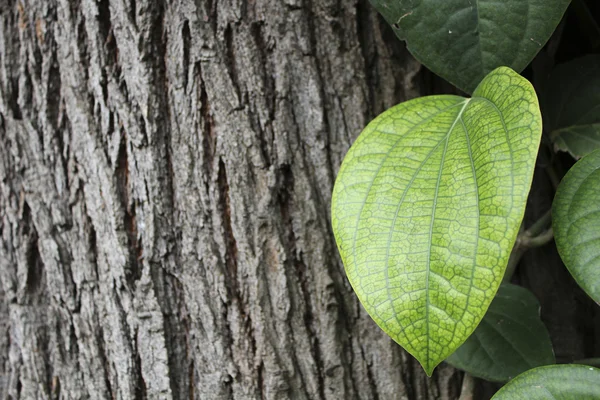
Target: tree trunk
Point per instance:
(166, 170)
(166, 177)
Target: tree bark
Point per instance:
(166, 170)
(165, 184)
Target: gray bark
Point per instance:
(165, 184)
(165, 178)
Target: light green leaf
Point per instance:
(571, 106)
(426, 209)
(565, 382)
(576, 223)
(510, 339)
(463, 40)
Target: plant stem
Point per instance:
(527, 239)
(540, 240)
(513, 261)
(538, 226)
(468, 386)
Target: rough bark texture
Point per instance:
(165, 177)
(165, 185)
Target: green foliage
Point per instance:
(429, 199)
(576, 220)
(571, 106)
(463, 40)
(565, 382)
(427, 205)
(510, 339)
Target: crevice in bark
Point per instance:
(368, 51)
(301, 268)
(111, 50)
(261, 381)
(53, 94)
(370, 376)
(408, 377)
(208, 131)
(37, 61)
(14, 100)
(63, 152)
(167, 288)
(74, 7)
(35, 265)
(140, 387)
(191, 377)
(134, 269)
(256, 30)
(186, 38)
(284, 199)
(231, 255)
(99, 341)
(109, 134)
(133, 12)
(266, 143)
(42, 347)
(231, 270)
(92, 253)
(142, 126)
(313, 38)
(105, 29)
(231, 65)
(19, 387)
(26, 99)
(82, 43)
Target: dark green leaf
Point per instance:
(463, 40)
(576, 222)
(571, 106)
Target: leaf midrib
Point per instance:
(435, 198)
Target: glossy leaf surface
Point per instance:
(510, 339)
(427, 205)
(564, 382)
(463, 40)
(576, 223)
(571, 106)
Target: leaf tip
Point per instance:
(429, 366)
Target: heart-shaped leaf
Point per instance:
(510, 339)
(571, 106)
(576, 222)
(426, 209)
(463, 40)
(565, 382)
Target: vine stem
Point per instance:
(468, 387)
(538, 226)
(535, 236)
